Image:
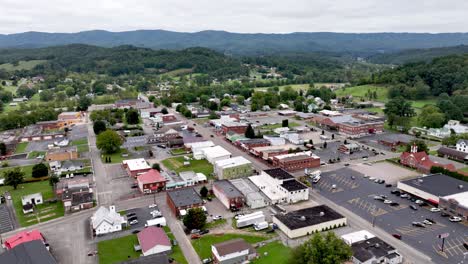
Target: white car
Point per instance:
(404, 195)
(133, 222)
(435, 209)
(455, 219)
(371, 179)
(217, 217)
(427, 222)
(387, 202)
(419, 202)
(152, 206)
(156, 214)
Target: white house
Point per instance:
(456, 126)
(30, 200)
(106, 221)
(153, 240)
(462, 145)
(232, 252)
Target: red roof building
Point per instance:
(151, 181)
(23, 237)
(422, 162)
(153, 240)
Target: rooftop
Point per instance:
(184, 197)
(136, 164)
(151, 176)
(371, 248)
(279, 173)
(232, 246)
(293, 185)
(32, 252)
(297, 156)
(461, 198)
(452, 152)
(82, 198)
(228, 189)
(437, 184)
(152, 236)
(23, 237)
(232, 162)
(308, 217)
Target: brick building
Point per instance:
(151, 181)
(61, 154)
(180, 200)
(228, 194)
(296, 161)
(135, 167)
(421, 161)
(235, 127)
(248, 144)
(353, 126)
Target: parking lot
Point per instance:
(6, 223)
(358, 194)
(389, 172)
(78, 132)
(332, 152)
(133, 142)
(121, 183)
(142, 214)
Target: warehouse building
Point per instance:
(212, 154)
(308, 221)
(253, 196)
(231, 168)
(296, 161)
(180, 200)
(228, 194)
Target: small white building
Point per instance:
(456, 126)
(232, 252)
(275, 141)
(462, 145)
(357, 236)
(30, 200)
(233, 168)
(190, 178)
(197, 146)
(153, 240)
(212, 154)
(106, 221)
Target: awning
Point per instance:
(433, 201)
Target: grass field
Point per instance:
(22, 65)
(360, 92)
(81, 145)
(278, 125)
(26, 169)
(422, 103)
(35, 154)
(21, 147)
(464, 169)
(275, 251)
(43, 212)
(377, 110)
(203, 245)
(117, 250)
(177, 164)
(116, 157)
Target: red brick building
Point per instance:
(296, 161)
(151, 181)
(228, 194)
(183, 199)
(135, 167)
(253, 143)
(421, 161)
(238, 128)
(168, 118)
(351, 126)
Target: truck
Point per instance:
(261, 226)
(161, 221)
(250, 219)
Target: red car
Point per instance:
(195, 236)
(397, 236)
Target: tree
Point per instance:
(321, 249)
(3, 149)
(164, 111)
(195, 219)
(285, 123)
(13, 177)
(46, 96)
(204, 192)
(156, 166)
(431, 117)
(83, 103)
(99, 126)
(132, 116)
(40, 170)
(324, 144)
(109, 141)
(399, 107)
(53, 180)
(249, 132)
(420, 144)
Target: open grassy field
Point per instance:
(177, 164)
(116, 157)
(203, 245)
(361, 90)
(278, 125)
(22, 65)
(117, 250)
(21, 147)
(275, 251)
(26, 169)
(422, 103)
(43, 212)
(81, 145)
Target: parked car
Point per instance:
(405, 195)
(431, 220)
(217, 217)
(419, 201)
(444, 214)
(131, 215)
(397, 236)
(195, 236)
(238, 215)
(205, 231)
(395, 191)
(427, 222)
(394, 204)
(413, 207)
(435, 209)
(418, 224)
(388, 185)
(134, 186)
(152, 206)
(455, 219)
(387, 202)
(133, 222)
(381, 182)
(371, 179)
(378, 197)
(195, 231)
(207, 261)
(132, 218)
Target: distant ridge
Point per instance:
(243, 44)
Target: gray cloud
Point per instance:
(235, 15)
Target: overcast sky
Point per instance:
(268, 16)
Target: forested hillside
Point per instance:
(417, 55)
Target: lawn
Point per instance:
(22, 65)
(276, 253)
(44, 212)
(21, 147)
(116, 157)
(278, 125)
(117, 250)
(464, 169)
(422, 103)
(377, 110)
(26, 169)
(203, 245)
(177, 164)
(361, 90)
(215, 223)
(35, 154)
(83, 141)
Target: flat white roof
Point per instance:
(461, 198)
(357, 236)
(232, 162)
(214, 152)
(269, 189)
(291, 155)
(201, 144)
(136, 164)
(282, 147)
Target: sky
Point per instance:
(244, 16)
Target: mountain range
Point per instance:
(357, 44)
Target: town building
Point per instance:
(183, 199)
(432, 188)
(235, 127)
(61, 154)
(462, 145)
(287, 113)
(212, 154)
(393, 140)
(151, 181)
(296, 161)
(106, 221)
(280, 186)
(38, 133)
(31, 252)
(228, 194)
(308, 221)
(275, 141)
(29, 201)
(353, 126)
(254, 198)
(231, 168)
(67, 119)
(421, 161)
(77, 197)
(456, 127)
(135, 167)
(234, 251)
(374, 250)
(66, 166)
(197, 146)
(455, 204)
(153, 240)
(452, 153)
(190, 178)
(268, 152)
(349, 148)
(250, 143)
(24, 237)
(149, 112)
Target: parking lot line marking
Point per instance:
(438, 251)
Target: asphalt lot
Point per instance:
(6, 222)
(78, 132)
(143, 215)
(121, 183)
(332, 152)
(357, 196)
(387, 171)
(132, 142)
